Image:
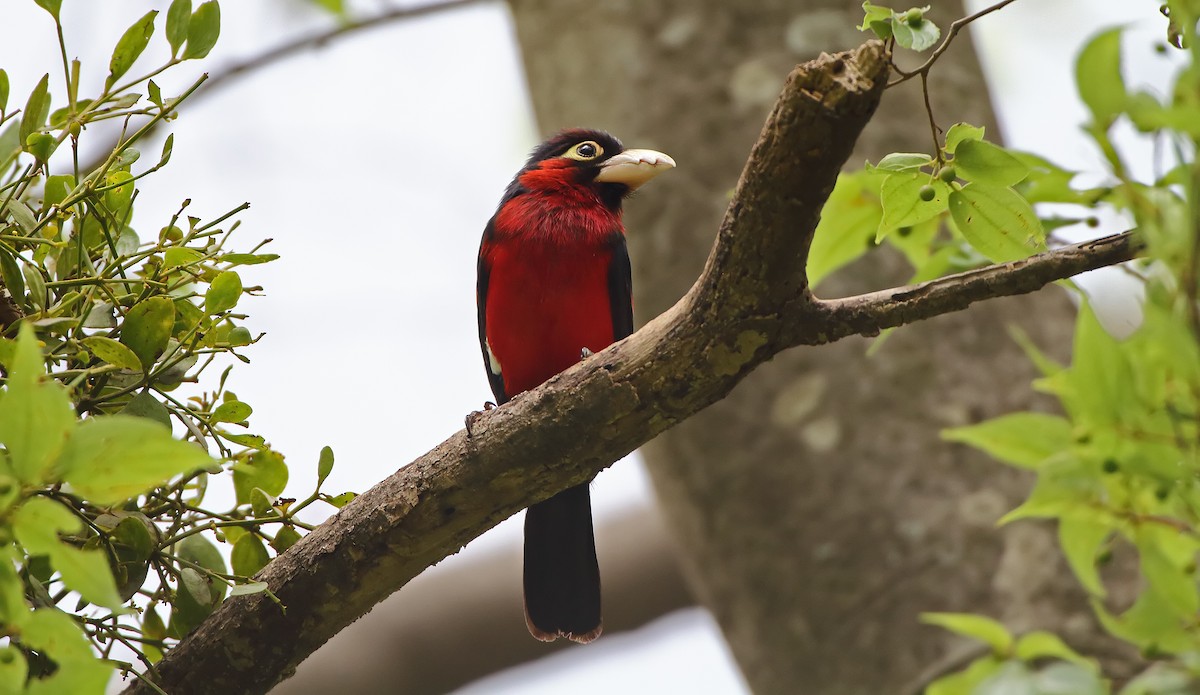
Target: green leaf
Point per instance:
(847, 226)
(878, 19)
(262, 504)
(112, 351)
(324, 465)
(57, 635)
(964, 682)
(248, 588)
(51, 6)
(3, 90)
(919, 35)
(1081, 539)
(904, 161)
(203, 30)
(168, 148)
(111, 458)
(1098, 76)
(976, 627)
(193, 602)
(980, 160)
(249, 258)
(997, 222)
(285, 538)
(133, 534)
(34, 281)
(37, 108)
(198, 550)
(36, 415)
(232, 411)
(960, 133)
(1176, 587)
(1021, 439)
(902, 204)
(129, 47)
(263, 469)
(178, 17)
(1012, 678)
(341, 500)
(147, 327)
(58, 188)
(1061, 678)
(13, 670)
(145, 405)
(37, 523)
(223, 292)
(249, 555)
(10, 275)
(1040, 644)
(179, 256)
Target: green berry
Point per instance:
(947, 174)
(927, 193)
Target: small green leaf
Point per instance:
(145, 405)
(1020, 439)
(341, 500)
(903, 205)
(262, 504)
(34, 281)
(147, 328)
(111, 458)
(198, 550)
(1098, 76)
(51, 6)
(919, 35)
(178, 17)
(980, 160)
(324, 465)
(154, 93)
(997, 222)
(129, 47)
(285, 538)
(112, 351)
(3, 90)
(203, 30)
(133, 534)
(249, 258)
(847, 226)
(120, 195)
(904, 161)
(179, 256)
(57, 635)
(232, 411)
(878, 19)
(168, 148)
(1040, 644)
(248, 588)
(36, 416)
(978, 627)
(194, 601)
(1176, 587)
(966, 681)
(263, 469)
(249, 555)
(58, 188)
(37, 108)
(961, 132)
(10, 275)
(1080, 540)
(223, 292)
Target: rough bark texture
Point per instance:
(817, 508)
(530, 448)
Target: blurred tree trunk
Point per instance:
(817, 509)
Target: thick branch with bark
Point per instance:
(751, 302)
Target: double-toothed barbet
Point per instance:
(554, 286)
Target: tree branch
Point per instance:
(751, 302)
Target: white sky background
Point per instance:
(374, 163)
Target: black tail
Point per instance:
(562, 578)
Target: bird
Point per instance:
(554, 286)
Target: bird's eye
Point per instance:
(585, 151)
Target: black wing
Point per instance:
(620, 290)
(481, 289)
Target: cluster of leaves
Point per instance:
(102, 505)
(1118, 470)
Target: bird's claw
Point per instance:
(584, 354)
(474, 415)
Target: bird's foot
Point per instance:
(584, 354)
(474, 415)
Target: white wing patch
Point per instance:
(493, 363)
